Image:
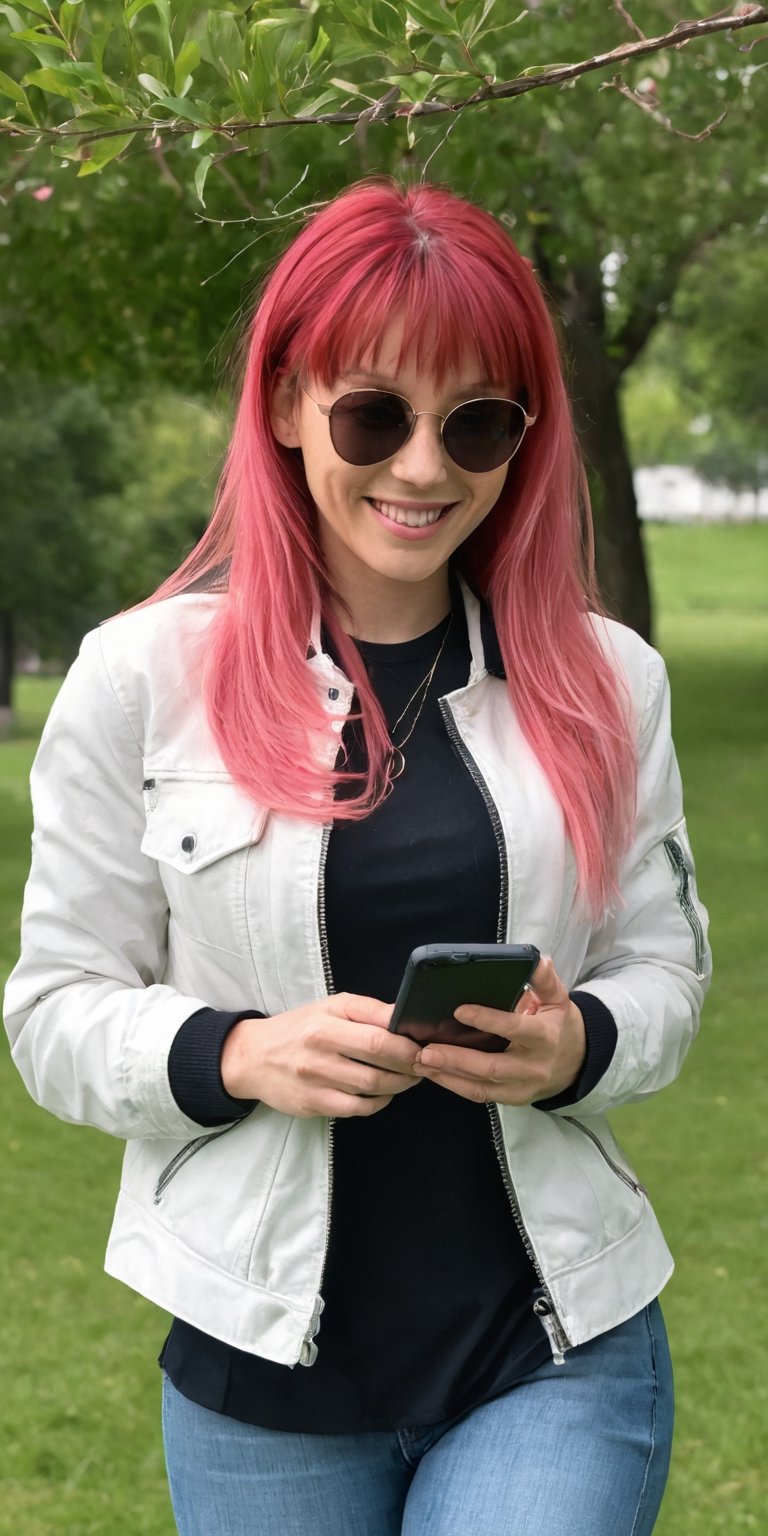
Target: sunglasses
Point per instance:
(368, 426)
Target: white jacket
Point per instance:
(145, 904)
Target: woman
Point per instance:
(377, 708)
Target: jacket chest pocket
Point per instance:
(202, 834)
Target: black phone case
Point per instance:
(440, 977)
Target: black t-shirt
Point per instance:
(428, 1289)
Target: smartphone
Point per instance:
(440, 977)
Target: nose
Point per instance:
(422, 460)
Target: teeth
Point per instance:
(411, 518)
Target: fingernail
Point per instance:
(430, 1058)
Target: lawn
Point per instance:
(79, 1411)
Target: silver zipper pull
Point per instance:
(546, 1317)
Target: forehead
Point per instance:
(394, 358)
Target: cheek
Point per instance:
(489, 491)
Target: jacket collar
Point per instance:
(494, 661)
(483, 639)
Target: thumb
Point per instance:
(546, 985)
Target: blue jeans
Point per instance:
(580, 1449)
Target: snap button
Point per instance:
(188, 843)
(333, 693)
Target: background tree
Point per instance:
(57, 456)
(607, 195)
(89, 525)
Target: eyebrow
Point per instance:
(380, 382)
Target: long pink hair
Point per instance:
(377, 251)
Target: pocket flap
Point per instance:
(193, 822)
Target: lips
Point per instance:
(410, 517)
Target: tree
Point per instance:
(700, 397)
(57, 457)
(606, 195)
(99, 504)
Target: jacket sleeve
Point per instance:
(89, 1020)
(649, 962)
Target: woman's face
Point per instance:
(366, 514)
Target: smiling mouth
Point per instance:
(410, 517)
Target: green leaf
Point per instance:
(152, 85)
(318, 49)
(17, 22)
(56, 81)
(201, 136)
(388, 20)
(311, 108)
(203, 168)
(101, 117)
(358, 29)
(346, 87)
(70, 15)
(161, 6)
(540, 69)
(39, 39)
(430, 15)
(11, 88)
(225, 42)
(187, 61)
(103, 151)
(134, 6)
(181, 17)
(99, 42)
(182, 107)
(39, 8)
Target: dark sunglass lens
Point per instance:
(484, 434)
(369, 426)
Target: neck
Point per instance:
(388, 612)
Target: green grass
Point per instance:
(80, 1406)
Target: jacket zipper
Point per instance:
(544, 1306)
(308, 1349)
(676, 858)
(170, 1171)
(472, 769)
(621, 1173)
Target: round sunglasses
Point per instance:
(368, 426)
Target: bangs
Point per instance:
(453, 317)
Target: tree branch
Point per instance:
(625, 16)
(648, 104)
(388, 109)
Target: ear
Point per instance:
(283, 411)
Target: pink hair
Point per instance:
(462, 287)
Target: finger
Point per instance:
(527, 1001)
(358, 1077)
(479, 1066)
(494, 1021)
(342, 1106)
(546, 985)
(361, 1010)
(483, 1092)
(378, 1047)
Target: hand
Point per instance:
(546, 1052)
(331, 1057)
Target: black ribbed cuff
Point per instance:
(602, 1036)
(194, 1067)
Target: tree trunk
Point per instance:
(7, 657)
(594, 389)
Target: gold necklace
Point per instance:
(396, 758)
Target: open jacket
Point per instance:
(158, 888)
